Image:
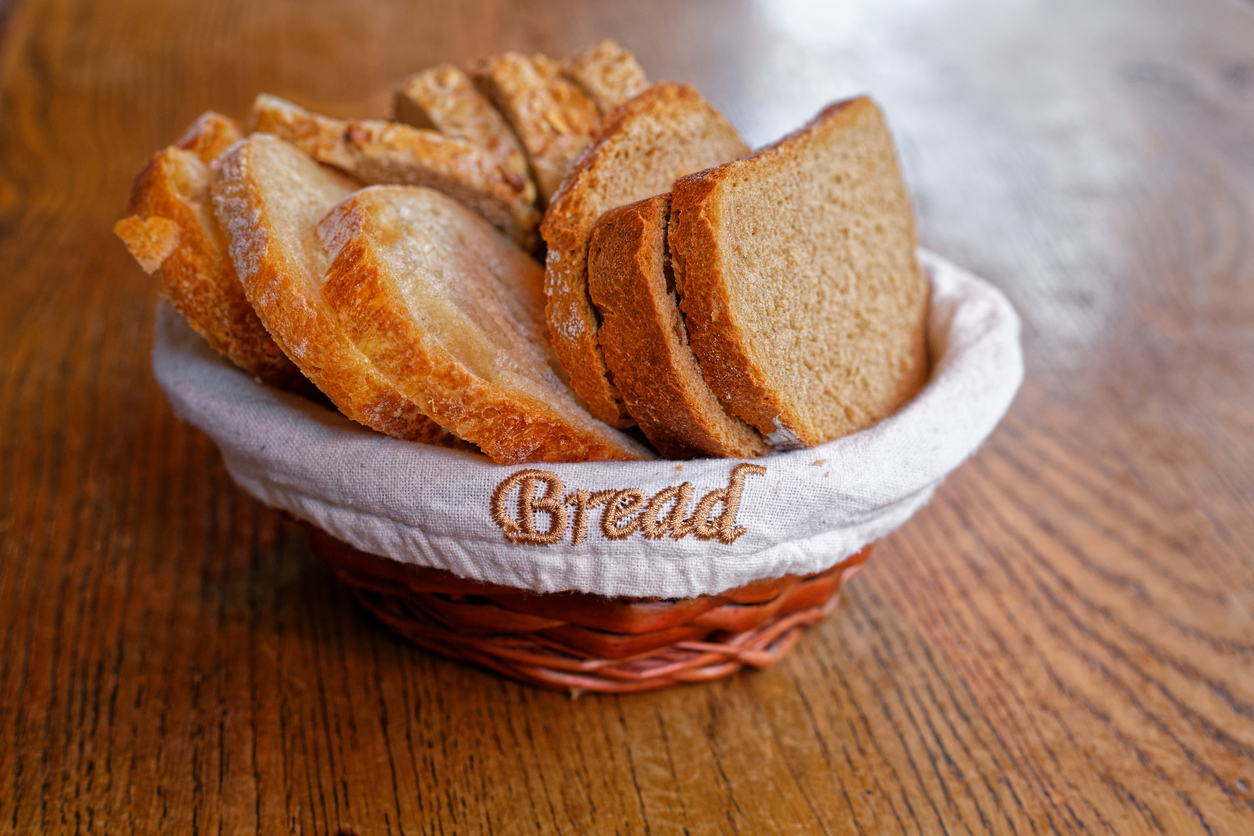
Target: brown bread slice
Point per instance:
(375, 151)
(662, 134)
(172, 230)
(452, 314)
(646, 344)
(269, 196)
(797, 275)
(551, 116)
(444, 99)
(608, 73)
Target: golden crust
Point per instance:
(645, 341)
(551, 116)
(150, 240)
(375, 152)
(492, 387)
(269, 195)
(444, 99)
(723, 337)
(608, 73)
(210, 135)
(173, 229)
(644, 145)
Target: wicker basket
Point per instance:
(458, 576)
(579, 642)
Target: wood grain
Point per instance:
(1062, 642)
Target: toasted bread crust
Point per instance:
(644, 145)
(443, 98)
(645, 341)
(727, 338)
(210, 135)
(508, 423)
(173, 229)
(374, 152)
(150, 240)
(552, 117)
(608, 73)
(282, 279)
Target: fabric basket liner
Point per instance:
(811, 509)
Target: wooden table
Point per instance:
(1063, 641)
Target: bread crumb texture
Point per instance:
(452, 314)
(269, 196)
(796, 270)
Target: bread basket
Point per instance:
(691, 571)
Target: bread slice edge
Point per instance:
(173, 232)
(593, 186)
(363, 287)
(645, 341)
(285, 291)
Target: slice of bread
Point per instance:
(173, 230)
(608, 73)
(210, 135)
(797, 276)
(662, 134)
(451, 313)
(551, 116)
(646, 344)
(444, 99)
(269, 196)
(375, 151)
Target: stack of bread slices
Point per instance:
(725, 302)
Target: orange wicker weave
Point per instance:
(580, 642)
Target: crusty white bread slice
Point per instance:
(797, 276)
(646, 344)
(269, 196)
(172, 230)
(375, 151)
(443, 98)
(643, 147)
(608, 73)
(451, 313)
(552, 117)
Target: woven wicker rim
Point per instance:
(581, 642)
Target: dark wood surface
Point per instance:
(1063, 641)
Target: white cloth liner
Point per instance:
(430, 506)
